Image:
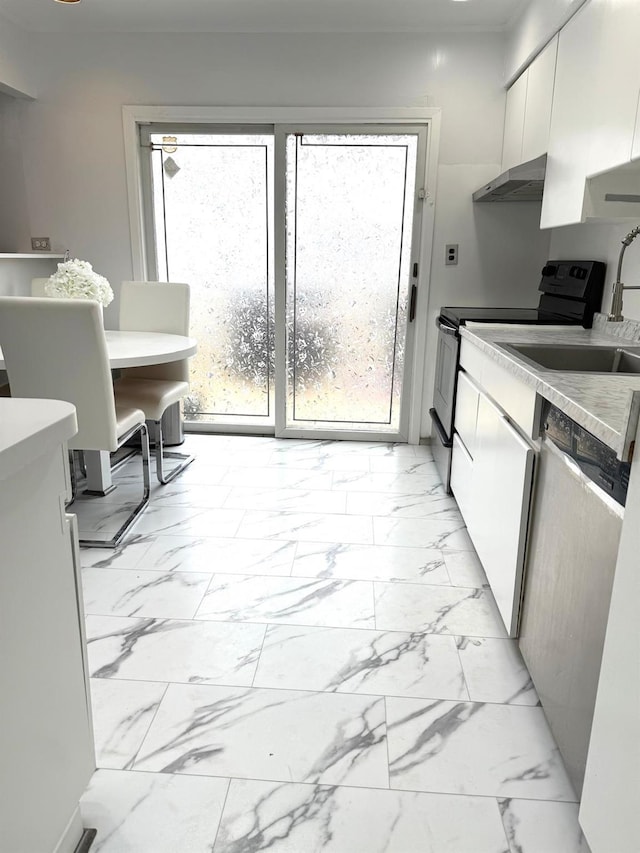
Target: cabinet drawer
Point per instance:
(517, 400)
(462, 480)
(466, 411)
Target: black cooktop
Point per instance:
(459, 316)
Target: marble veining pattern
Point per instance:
(298, 651)
(606, 405)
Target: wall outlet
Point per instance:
(41, 244)
(451, 254)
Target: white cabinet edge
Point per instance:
(31, 428)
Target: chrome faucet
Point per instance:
(615, 314)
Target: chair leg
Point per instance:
(161, 455)
(135, 514)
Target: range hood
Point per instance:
(520, 183)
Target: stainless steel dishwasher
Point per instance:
(571, 556)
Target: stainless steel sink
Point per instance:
(577, 358)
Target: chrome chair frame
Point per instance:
(146, 480)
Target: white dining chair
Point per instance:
(56, 349)
(37, 289)
(151, 306)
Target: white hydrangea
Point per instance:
(77, 280)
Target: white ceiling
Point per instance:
(185, 16)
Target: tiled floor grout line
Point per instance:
(309, 690)
(306, 625)
(350, 787)
(255, 671)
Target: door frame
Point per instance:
(134, 116)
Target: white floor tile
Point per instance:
(277, 477)
(289, 818)
(354, 661)
(370, 562)
(392, 483)
(212, 554)
(422, 533)
(306, 527)
(474, 748)
(437, 610)
(436, 507)
(495, 672)
(152, 813)
(189, 520)
(268, 734)
(122, 714)
(184, 494)
(542, 827)
(173, 650)
(126, 556)
(289, 601)
(131, 592)
(287, 500)
(465, 569)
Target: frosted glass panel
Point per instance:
(349, 212)
(213, 219)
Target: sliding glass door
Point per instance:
(300, 246)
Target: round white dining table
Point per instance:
(138, 349)
(131, 349)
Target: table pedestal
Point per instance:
(98, 465)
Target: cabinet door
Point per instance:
(503, 476)
(466, 411)
(572, 118)
(616, 86)
(514, 122)
(462, 484)
(570, 568)
(537, 114)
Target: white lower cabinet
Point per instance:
(503, 477)
(462, 481)
(492, 469)
(46, 737)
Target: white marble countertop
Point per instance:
(607, 405)
(31, 428)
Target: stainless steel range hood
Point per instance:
(520, 183)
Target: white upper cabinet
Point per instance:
(528, 110)
(595, 133)
(617, 85)
(514, 122)
(573, 117)
(537, 116)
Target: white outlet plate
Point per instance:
(41, 244)
(451, 254)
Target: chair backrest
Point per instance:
(156, 306)
(56, 349)
(37, 286)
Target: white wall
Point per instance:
(601, 242)
(18, 73)
(14, 214)
(535, 26)
(502, 251)
(73, 156)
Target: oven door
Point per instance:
(444, 398)
(446, 365)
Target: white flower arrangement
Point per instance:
(77, 280)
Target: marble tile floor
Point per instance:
(296, 650)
